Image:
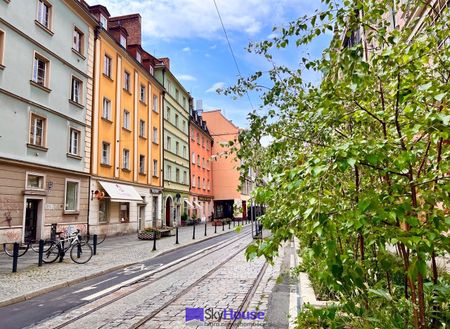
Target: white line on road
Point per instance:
(94, 286)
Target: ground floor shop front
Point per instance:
(201, 207)
(120, 208)
(32, 198)
(232, 208)
(176, 206)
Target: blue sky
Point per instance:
(190, 34)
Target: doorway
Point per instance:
(141, 217)
(168, 208)
(31, 220)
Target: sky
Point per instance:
(190, 34)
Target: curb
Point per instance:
(69, 283)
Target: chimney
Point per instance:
(132, 23)
(166, 62)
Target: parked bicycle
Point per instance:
(8, 248)
(80, 251)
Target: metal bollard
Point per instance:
(95, 243)
(15, 256)
(193, 232)
(206, 227)
(223, 226)
(154, 241)
(79, 250)
(229, 225)
(215, 227)
(176, 235)
(41, 252)
(61, 252)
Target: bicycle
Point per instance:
(80, 251)
(8, 248)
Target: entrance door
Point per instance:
(31, 220)
(168, 208)
(141, 217)
(244, 210)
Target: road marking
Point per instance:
(94, 286)
(149, 273)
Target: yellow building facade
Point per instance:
(126, 182)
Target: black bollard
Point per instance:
(79, 250)
(223, 225)
(215, 227)
(176, 235)
(229, 225)
(206, 227)
(41, 252)
(193, 232)
(15, 256)
(154, 241)
(95, 244)
(61, 252)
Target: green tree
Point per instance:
(360, 161)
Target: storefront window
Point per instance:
(124, 212)
(155, 207)
(72, 188)
(103, 211)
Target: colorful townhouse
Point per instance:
(201, 147)
(230, 196)
(126, 183)
(46, 85)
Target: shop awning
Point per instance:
(198, 205)
(121, 192)
(189, 203)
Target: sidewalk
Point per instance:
(114, 253)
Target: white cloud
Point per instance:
(272, 35)
(214, 87)
(198, 18)
(213, 47)
(186, 49)
(186, 77)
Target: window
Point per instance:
(2, 47)
(203, 163)
(184, 102)
(142, 164)
(155, 207)
(78, 40)
(105, 153)
(177, 147)
(123, 41)
(126, 81)
(198, 182)
(142, 94)
(155, 135)
(176, 120)
(198, 160)
(124, 212)
(126, 119)
(203, 142)
(177, 175)
(142, 128)
(103, 21)
(155, 168)
(184, 177)
(193, 180)
(169, 142)
(126, 159)
(169, 173)
(177, 95)
(40, 70)
(107, 66)
(204, 184)
(184, 151)
(193, 157)
(74, 141)
(138, 57)
(168, 113)
(37, 130)
(208, 185)
(106, 114)
(71, 197)
(77, 88)
(44, 13)
(184, 125)
(155, 103)
(35, 181)
(103, 210)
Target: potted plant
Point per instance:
(184, 219)
(149, 233)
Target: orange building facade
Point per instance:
(201, 189)
(126, 185)
(229, 199)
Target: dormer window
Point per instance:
(103, 21)
(138, 57)
(123, 41)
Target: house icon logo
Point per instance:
(195, 314)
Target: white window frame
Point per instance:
(106, 114)
(108, 158)
(78, 141)
(155, 168)
(78, 40)
(78, 182)
(103, 21)
(107, 65)
(35, 74)
(32, 139)
(138, 57)
(123, 41)
(141, 163)
(31, 173)
(126, 119)
(126, 81)
(155, 103)
(193, 158)
(2, 47)
(142, 93)
(142, 129)
(168, 143)
(126, 159)
(74, 97)
(193, 180)
(44, 21)
(155, 135)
